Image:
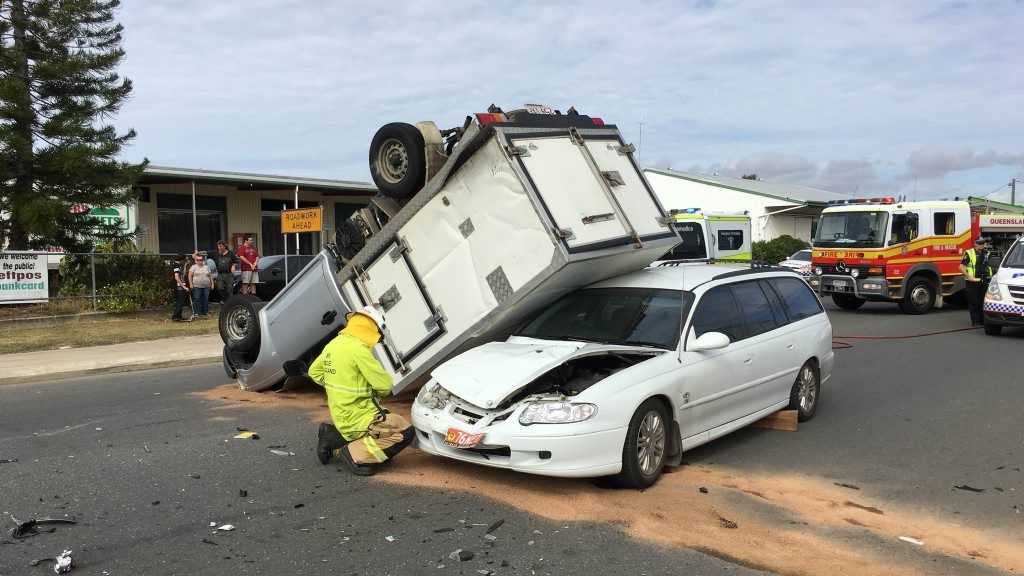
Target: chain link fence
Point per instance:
(80, 283)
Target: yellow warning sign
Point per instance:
(301, 220)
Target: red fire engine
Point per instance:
(883, 250)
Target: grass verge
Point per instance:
(112, 329)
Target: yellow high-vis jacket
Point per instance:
(352, 376)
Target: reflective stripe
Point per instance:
(374, 449)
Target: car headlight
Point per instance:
(433, 396)
(817, 270)
(993, 291)
(855, 273)
(556, 413)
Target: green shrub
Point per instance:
(126, 281)
(777, 249)
(134, 295)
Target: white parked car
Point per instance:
(1004, 300)
(622, 376)
(799, 261)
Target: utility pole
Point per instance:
(1013, 190)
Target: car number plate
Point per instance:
(458, 439)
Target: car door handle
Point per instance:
(748, 360)
(790, 346)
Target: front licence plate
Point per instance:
(458, 439)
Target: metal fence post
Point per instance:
(92, 266)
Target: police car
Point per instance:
(1004, 300)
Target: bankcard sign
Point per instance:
(23, 278)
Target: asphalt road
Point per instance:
(146, 466)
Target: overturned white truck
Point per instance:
(476, 229)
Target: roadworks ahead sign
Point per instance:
(301, 220)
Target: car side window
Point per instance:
(797, 296)
(778, 308)
(717, 312)
(757, 311)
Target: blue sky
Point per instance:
(910, 97)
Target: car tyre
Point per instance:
(918, 297)
(993, 329)
(239, 323)
(398, 161)
(848, 301)
(646, 447)
(806, 391)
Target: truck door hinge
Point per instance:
(401, 247)
(614, 178)
(522, 151)
(575, 136)
(664, 221)
(565, 233)
(436, 320)
(624, 149)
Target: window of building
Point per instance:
(175, 223)
(730, 239)
(945, 223)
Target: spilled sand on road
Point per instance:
(785, 523)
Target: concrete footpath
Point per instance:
(56, 364)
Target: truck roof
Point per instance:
(879, 207)
(682, 276)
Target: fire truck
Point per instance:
(882, 250)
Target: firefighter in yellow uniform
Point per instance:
(364, 435)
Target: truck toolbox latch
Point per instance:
(389, 298)
(517, 151)
(565, 234)
(614, 178)
(436, 320)
(623, 150)
(599, 218)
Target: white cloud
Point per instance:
(795, 94)
(937, 162)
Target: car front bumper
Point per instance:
(868, 287)
(1003, 314)
(566, 450)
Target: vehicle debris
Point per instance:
(726, 523)
(703, 490)
(31, 527)
(208, 541)
(62, 564)
(194, 476)
(494, 526)
(226, 528)
(246, 435)
(845, 485)
(243, 493)
(443, 530)
(389, 538)
(462, 555)
(8, 460)
(913, 541)
(967, 488)
(276, 452)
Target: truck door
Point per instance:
(413, 321)
(616, 165)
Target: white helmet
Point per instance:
(371, 312)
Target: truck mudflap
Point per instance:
(307, 312)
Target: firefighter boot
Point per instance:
(328, 439)
(358, 469)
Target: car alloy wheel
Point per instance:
(807, 389)
(650, 443)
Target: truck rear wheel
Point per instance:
(848, 301)
(349, 238)
(919, 296)
(398, 161)
(239, 323)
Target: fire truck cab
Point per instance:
(883, 250)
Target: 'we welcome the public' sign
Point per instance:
(23, 278)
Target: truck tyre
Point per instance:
(239, 323)
(398, 161)
(646, 446)
(349, 239)
(848, 301)
(919, 296)
(806, 390)
(993, 329)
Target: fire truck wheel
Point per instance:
(398, 161)
(806, 391)
(848, 301)
(919, 296)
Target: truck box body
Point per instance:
(520, 214)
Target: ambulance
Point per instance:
(717, 236)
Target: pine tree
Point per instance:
(59, 90)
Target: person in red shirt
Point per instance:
(248, 255)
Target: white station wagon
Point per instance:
(620, 377)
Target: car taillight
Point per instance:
(490, 118)
(597, 121)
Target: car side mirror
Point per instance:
(710, 341)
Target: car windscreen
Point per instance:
(802, 256)
(1015, 257)
(630, 316)
(853, 229)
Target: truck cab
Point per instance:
(721, 237)
(879, 249)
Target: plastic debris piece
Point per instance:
(226, 527)
(494, 526)
(485, 572)
(208, 541)
(443, 530)
(247, 435)
(243, 493)
(277, 452)
(726, 523)
(913, 541)
(490, 537)
(389, 538)
(967, 488)
(64, 563)
(194, 476)
(462, 555)
(8, 460)
(31, 527)
(703, 490)
(845, 485)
